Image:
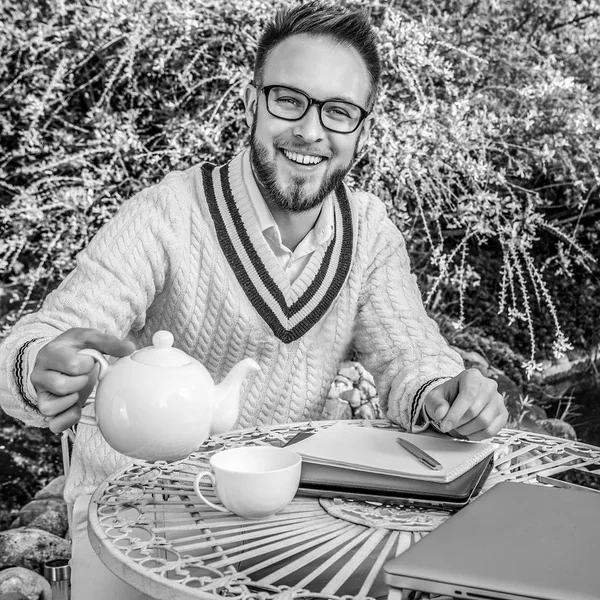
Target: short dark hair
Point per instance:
(343, 24)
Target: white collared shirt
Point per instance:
(292, 261)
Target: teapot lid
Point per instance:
(162, 353)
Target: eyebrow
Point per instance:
(334, 98)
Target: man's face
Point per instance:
(323, 70)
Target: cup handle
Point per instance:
(197, 480)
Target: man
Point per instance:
(269, 256)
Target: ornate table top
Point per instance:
(149, 527)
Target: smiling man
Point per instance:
(300, 156)
(270, 256)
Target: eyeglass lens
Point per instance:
(292, 105)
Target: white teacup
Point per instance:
(254, 481)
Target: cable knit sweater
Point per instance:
(187, 256)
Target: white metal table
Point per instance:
(148, 526)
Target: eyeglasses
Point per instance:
(291, 104)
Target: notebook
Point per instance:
(516, 541)
(324, 481)
(375, 450)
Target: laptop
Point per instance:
(516, 541)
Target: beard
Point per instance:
(294, 198)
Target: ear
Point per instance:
(365, 131)
(250, 102)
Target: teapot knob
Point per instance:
(163, 339)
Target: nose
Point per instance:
(309, 127)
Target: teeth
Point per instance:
(303, 159)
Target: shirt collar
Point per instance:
(322, 229)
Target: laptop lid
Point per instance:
(517, 541)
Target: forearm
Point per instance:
(398, 342)
(110, 291)
(17, 396)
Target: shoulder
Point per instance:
(170, 200)
(373, 222)
(177, 187)
(366, 203)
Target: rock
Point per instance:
(528, 423)
(29, 584)
(31, 548)
(559, 428)
(33, 509)
(52, 521)
(473, 359)
(53, 490)
(512, 392)
(536, 412)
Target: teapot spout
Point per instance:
(227, 396)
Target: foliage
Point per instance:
(29, 459)
(485, 148)
(497, 144)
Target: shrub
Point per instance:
(485, 150)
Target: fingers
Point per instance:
(104, 343)
(436, 403)
(491, 430)
(61, 356)
(51, 405)
(475, 408)
(61, 359)
(63, 379)
(58, 383)
(65, 419)
(469, 401)
(487, 423)
(436, 408)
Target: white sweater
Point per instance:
(187, 256)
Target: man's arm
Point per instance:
(116, 278)
(412, 363)
(468, 404)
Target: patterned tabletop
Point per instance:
(149, 527)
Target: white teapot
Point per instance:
(161, 404)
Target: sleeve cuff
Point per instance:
(420, 419)
(24, 364)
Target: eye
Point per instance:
(338, 112)
(288, 100)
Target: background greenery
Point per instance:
(485, 150)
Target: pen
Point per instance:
(423, 457)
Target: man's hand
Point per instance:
(469, 404)
(64, 379)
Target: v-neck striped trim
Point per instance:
(289, 311)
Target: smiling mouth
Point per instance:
(302, 159)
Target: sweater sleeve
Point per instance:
(114, 282)
(398, 342)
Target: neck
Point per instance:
(293, 226)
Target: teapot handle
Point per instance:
(103, 363)
(99, 358)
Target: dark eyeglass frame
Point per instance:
(266, 89)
